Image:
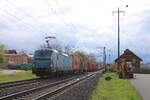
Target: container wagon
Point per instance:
(48, 62)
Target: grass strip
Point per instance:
(17, 76)
(114, 89)
(0, 69)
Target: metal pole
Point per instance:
(104, 58)
(118, 33)
(118, 11)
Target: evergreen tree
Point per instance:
(2, 59)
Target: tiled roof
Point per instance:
(10, 52)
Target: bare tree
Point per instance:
(69, 49)
(81, 54)
(55, 45)
(23, 51)
(43, 46)
(92, 57)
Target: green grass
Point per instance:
(17, 76)
(115, 89)
(1, 70)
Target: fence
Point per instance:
(143, 71)
(17, 67)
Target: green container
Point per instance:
(26, 66)
(81, 64)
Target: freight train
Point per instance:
(49, 61)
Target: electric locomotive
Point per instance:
(49, 61)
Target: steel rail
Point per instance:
(15, 83)
(59, 89)
(23, 93)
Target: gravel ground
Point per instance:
(8, 72)
(80, 91)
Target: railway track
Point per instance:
(15, 83)
(14, 87)
(46, 90)
(62, 87)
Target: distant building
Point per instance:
(10, 52)
(30, 57)
(12, 57)
(145, 66)
(129, 57)
(16, 58)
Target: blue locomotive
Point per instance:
(49, 61)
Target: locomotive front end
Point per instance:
(42, 62)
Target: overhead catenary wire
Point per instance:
(15, 6)
(27, 14)
(10, 19)
(54, 11)
(60, 8)
(9, 16)
(18, 19)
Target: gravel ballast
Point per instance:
(80, 91)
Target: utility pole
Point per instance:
(109, 59)
(118, 28)
(109, 55)
(104, 56)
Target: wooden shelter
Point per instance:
(130, 58)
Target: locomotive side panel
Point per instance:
(61, 63)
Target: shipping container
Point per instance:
(94, 67)
(75, 63)
(86, 65)
(81, 64)
(90, 66)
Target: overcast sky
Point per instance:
(85, 24)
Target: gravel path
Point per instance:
(8, 72)
(141, 82)
(80, 91)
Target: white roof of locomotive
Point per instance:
(62, 53)
(55, 50)
(65, 54)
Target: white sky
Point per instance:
(88, 24)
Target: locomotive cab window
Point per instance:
(43, 54)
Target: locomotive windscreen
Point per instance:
(42, 53)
